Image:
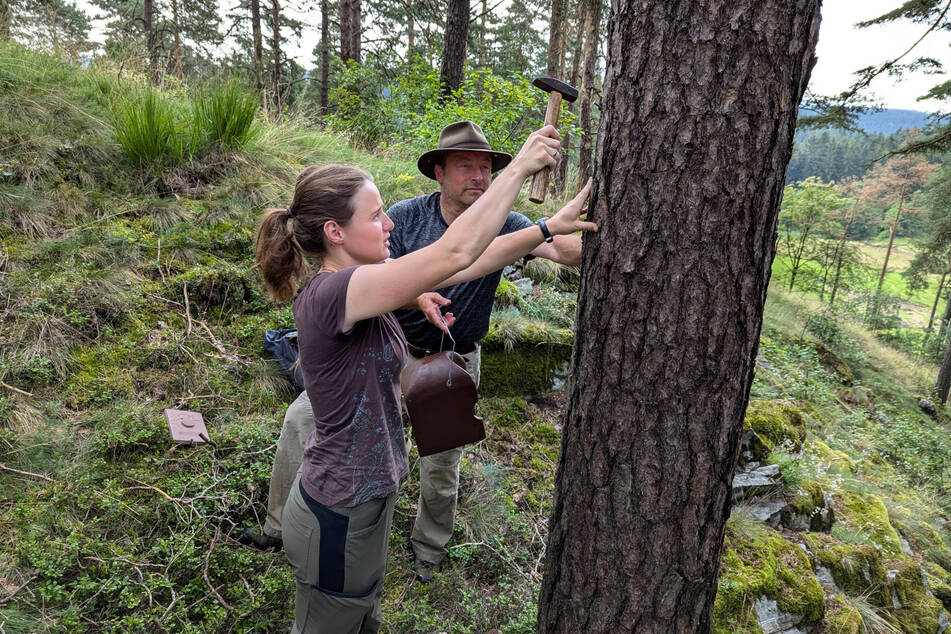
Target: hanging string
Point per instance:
(451, 360)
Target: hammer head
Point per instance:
(550, 84)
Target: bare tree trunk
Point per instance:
(839, 250)
(562, 170)
(695, 134)
(276, 48)
(937, 298)
(485, 12)
(943, 384)
(592, 44)
(177, 45)
(258, 50)
(410, 35)
(350, 30)
(556, 38)
(324, 55)
(150, 43)
(891, 238)
(454, 46)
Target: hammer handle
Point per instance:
(540, 181)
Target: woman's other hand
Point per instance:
(431, 305)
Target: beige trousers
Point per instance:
(439, 491)
(298, 424)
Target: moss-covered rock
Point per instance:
(767, 566)
(808, 509)
(831, 361)
(838, 462)
(913, 607)
(939, 580)
(506, 294)
(223, 286)
(521, 356)
(866, 513)
(857, 569)
(770, 425)
(842, 618)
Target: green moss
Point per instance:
(766, 566)
(838, 461)
(939, 580)
(524, 370)
(830, 361)
(919, 612)
(842, 618)
(773, 424)
(507, 294)
(866, 512)
(808, 498)
(857, 569)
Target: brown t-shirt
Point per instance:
(357, 451)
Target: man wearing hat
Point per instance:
(462, 163)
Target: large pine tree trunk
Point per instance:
(324, 55)
(591, 46)
(258, 49)
(698, 113)
(350, 30)
(454, 45)
(943, 384)
(276, 50)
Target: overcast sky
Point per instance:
(842, 50)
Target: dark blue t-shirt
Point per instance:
(419, 223)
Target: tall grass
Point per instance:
(159, 132)
(151, 129)
(224, 115)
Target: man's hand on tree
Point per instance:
(431, 305)
(568, 219)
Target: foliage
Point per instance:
(408, 111)
(152, 129)
(805, 215)
(224, 114)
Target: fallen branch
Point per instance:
(26, 473)
(204, 573)
(16, 389)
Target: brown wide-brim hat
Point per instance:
(462, 136)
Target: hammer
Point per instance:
(557, 91)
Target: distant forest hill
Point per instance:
(834, 154)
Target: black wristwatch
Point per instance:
(545, 232)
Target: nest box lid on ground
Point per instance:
(186, 427)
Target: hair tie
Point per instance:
(289, 212)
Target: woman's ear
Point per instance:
(333, 232)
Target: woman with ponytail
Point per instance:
(336, 520)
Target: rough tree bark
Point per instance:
(350, 30)
(937, 298)
(177, 44)
(454, 46)
(562, 169)
(324, 54)
(151, 46)
(591, 47)
(698, 113)
(276, 49)
(556, 38)
(258, 49)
